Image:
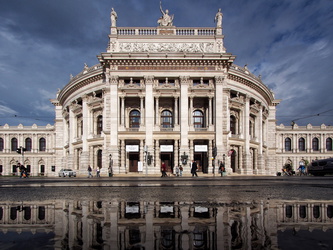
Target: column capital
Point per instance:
(184, 79)
(219, 79)
(149, 79)
(113, 79)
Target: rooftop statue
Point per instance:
(113, 17)
(166, 19)
(218, 19)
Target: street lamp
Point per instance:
(20, 150)
(184, 158)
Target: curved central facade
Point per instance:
(166, 94)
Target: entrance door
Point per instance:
(133, 161)
(202, 161)
(168, 160)
(233, 161)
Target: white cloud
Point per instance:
(6, 110)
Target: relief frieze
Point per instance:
(142, 68)
(207, 47)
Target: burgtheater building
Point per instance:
(163, 95)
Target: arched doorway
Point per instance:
(233, 159)
(99, 158)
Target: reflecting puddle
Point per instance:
(105, 224)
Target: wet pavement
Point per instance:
(232, 212)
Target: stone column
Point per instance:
(211, 166)
(84, 160)
(71, 139)
(294, 143)
(184, 116)
(157, 154)
(176, 111)
(122, 112)
(246, 154)
(222, 116)
(210, 111)
(113, 117)
(142, 157)
(191, 157)
(149, 111)
(142, 120)
(260, 162)
(190, 117)
(157, 112)
(175, 152)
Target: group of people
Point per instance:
(178, 170)
(194, 169)
(98, 171)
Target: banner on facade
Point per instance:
(140, 167)
(166, 148)
(200, 148)
(166, 209)
(132, 209)
(200, 209)
(132, 148)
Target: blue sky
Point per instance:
(288, 42)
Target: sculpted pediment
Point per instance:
(131, 84)
(237, 101)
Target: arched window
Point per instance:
(287, 144)
(315, 144)
(166, 119)
(42, 144)
(198, 119)
(134, 119)
(14, 144)
(28, 144)
(301, 144)
(1, 144)
(233, 124)
(99, 124)
(329, 144)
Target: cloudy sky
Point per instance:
(288, 42)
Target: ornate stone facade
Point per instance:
(163, 94)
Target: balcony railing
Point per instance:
(148, 31)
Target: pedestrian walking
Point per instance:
(194, 168)
(181, 171)
(89, 172)
(177, 170)
(98, 171)
(221, 168)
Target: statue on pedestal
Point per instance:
(113, 17)
(166, 19)
(218, 19)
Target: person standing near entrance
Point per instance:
(194, 168)
(163, 170)
(89, 171)
(221, 168)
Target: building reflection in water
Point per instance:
(162, 225)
